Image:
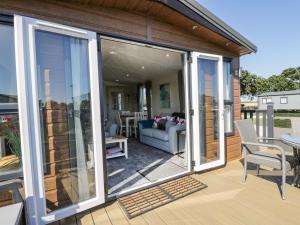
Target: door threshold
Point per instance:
(129, 191)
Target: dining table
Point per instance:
(294, 142)
(127, 118)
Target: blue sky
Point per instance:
(272, 25)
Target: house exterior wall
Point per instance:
(292, 102)
(130, 25)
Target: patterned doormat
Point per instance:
(143, 201)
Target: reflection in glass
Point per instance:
(65, 112)
(228, 81)
(209, 106)
(10, 145)
(228, 117)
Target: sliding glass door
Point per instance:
(208, 119)
(61, 93)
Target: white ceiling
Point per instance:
(135, 63)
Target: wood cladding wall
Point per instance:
(144, 27)
(233, 143)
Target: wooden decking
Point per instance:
(226, 200)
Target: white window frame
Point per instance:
(31, 144)
(196, 108)
(229, 102)
(286, 98)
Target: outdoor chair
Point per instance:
(9, 181)
(264, 154)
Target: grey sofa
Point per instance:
(165, 140)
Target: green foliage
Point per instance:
(251, 84)
(10, 130)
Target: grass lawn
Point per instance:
(287, 114)
(281, 123)
(285, 123)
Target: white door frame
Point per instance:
(30, 132)
(196, 107)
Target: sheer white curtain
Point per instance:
(79, 77)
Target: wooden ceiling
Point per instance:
(161, 12)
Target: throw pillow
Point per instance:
(162, 124)
(156, 120)
(179, 121)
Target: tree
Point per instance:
(281, 83)
(252, 84)
(248, 83)
(293, 74)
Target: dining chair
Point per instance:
(264, 154)
(121, 124)
(125, 113)
(138, 116)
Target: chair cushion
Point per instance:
(160, 134)
(271, 160)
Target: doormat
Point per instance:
(146, 200)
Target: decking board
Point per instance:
(226, 200)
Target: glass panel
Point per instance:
(228, 118)
(65, 112)
(228, 81)
(209, 107)
(10, 147)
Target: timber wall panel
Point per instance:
(109, 20)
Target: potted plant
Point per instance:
(9, 128)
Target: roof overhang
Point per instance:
(194, 11)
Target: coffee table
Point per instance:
(122, 144)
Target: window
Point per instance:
(10, 147)
(228, 97)
(117, 101)
(283, 100)
(266, 100)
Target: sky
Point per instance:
(272, 25)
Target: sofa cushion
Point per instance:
(148, 131)
(160, 134)
(169, 124)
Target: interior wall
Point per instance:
(172, 79)
(130, 97)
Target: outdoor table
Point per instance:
(294, 141)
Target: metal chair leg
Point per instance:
(245, 169)
(283, 184)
